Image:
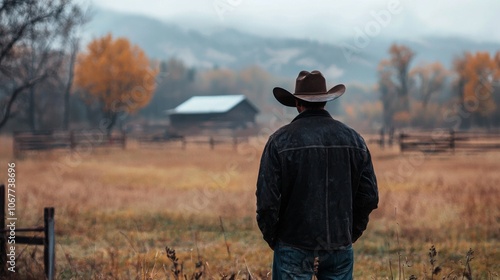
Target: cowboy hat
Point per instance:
(310, 87)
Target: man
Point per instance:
(316, 187)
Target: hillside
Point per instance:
(230, 48)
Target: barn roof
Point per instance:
(208, 104)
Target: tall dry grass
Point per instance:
(116, 211)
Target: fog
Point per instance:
(313, 19)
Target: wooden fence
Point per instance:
(183, 142)
(448, 141)
(385, 138)
(50, 140)
(11, 233)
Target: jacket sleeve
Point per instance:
(269, 193)
(366, 198)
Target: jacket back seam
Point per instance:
(323, 147)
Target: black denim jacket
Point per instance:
(316, 185)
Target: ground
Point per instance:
(117, 210)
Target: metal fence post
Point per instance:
(49, 244)
(3, 243)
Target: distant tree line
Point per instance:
(429, 95)
(49, 82)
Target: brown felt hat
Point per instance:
(310, 87)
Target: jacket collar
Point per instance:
(312, 113)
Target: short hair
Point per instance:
(311, 105)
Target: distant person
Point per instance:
(316, 186)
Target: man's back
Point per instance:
(321, 162)
(316, 187)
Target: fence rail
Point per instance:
(210, 141)
(48, 239)
(448, 141)
(50, 140)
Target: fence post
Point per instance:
(3, 243)
(124, 140)
(401, 144)
(15, 145)
(381, 140)
(235, 143)
(72, 143)
(452, 140)
(49, 244)
(391, 135)
(212, 143)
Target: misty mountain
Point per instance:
(350, 60)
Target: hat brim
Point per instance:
(288, 99)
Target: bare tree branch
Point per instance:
(13, 97)
(33, 35)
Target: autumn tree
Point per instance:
(480, 72)
(219, 81)
(33, 35)
(388, 94)
(428, 79)
(255, 83)
(394, 77)
(252, 81)
(117, 75)
(477, 74)
(496, 91)
(174, 81)
(458, 69)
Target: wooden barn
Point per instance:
(200, 114)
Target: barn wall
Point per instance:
(238, 117)
(242, 113)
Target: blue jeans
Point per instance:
(297, 264)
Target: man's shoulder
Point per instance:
(350, 134)
(348, 129)
(338, 132)
(280, 132)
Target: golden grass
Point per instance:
(117, 210)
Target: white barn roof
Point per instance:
(208, 104)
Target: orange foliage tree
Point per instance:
(477, 75)
(116, 74)
(480, 72)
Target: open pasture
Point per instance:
(117, 210)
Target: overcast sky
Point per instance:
(324, 20)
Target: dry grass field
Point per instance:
(117, 211)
